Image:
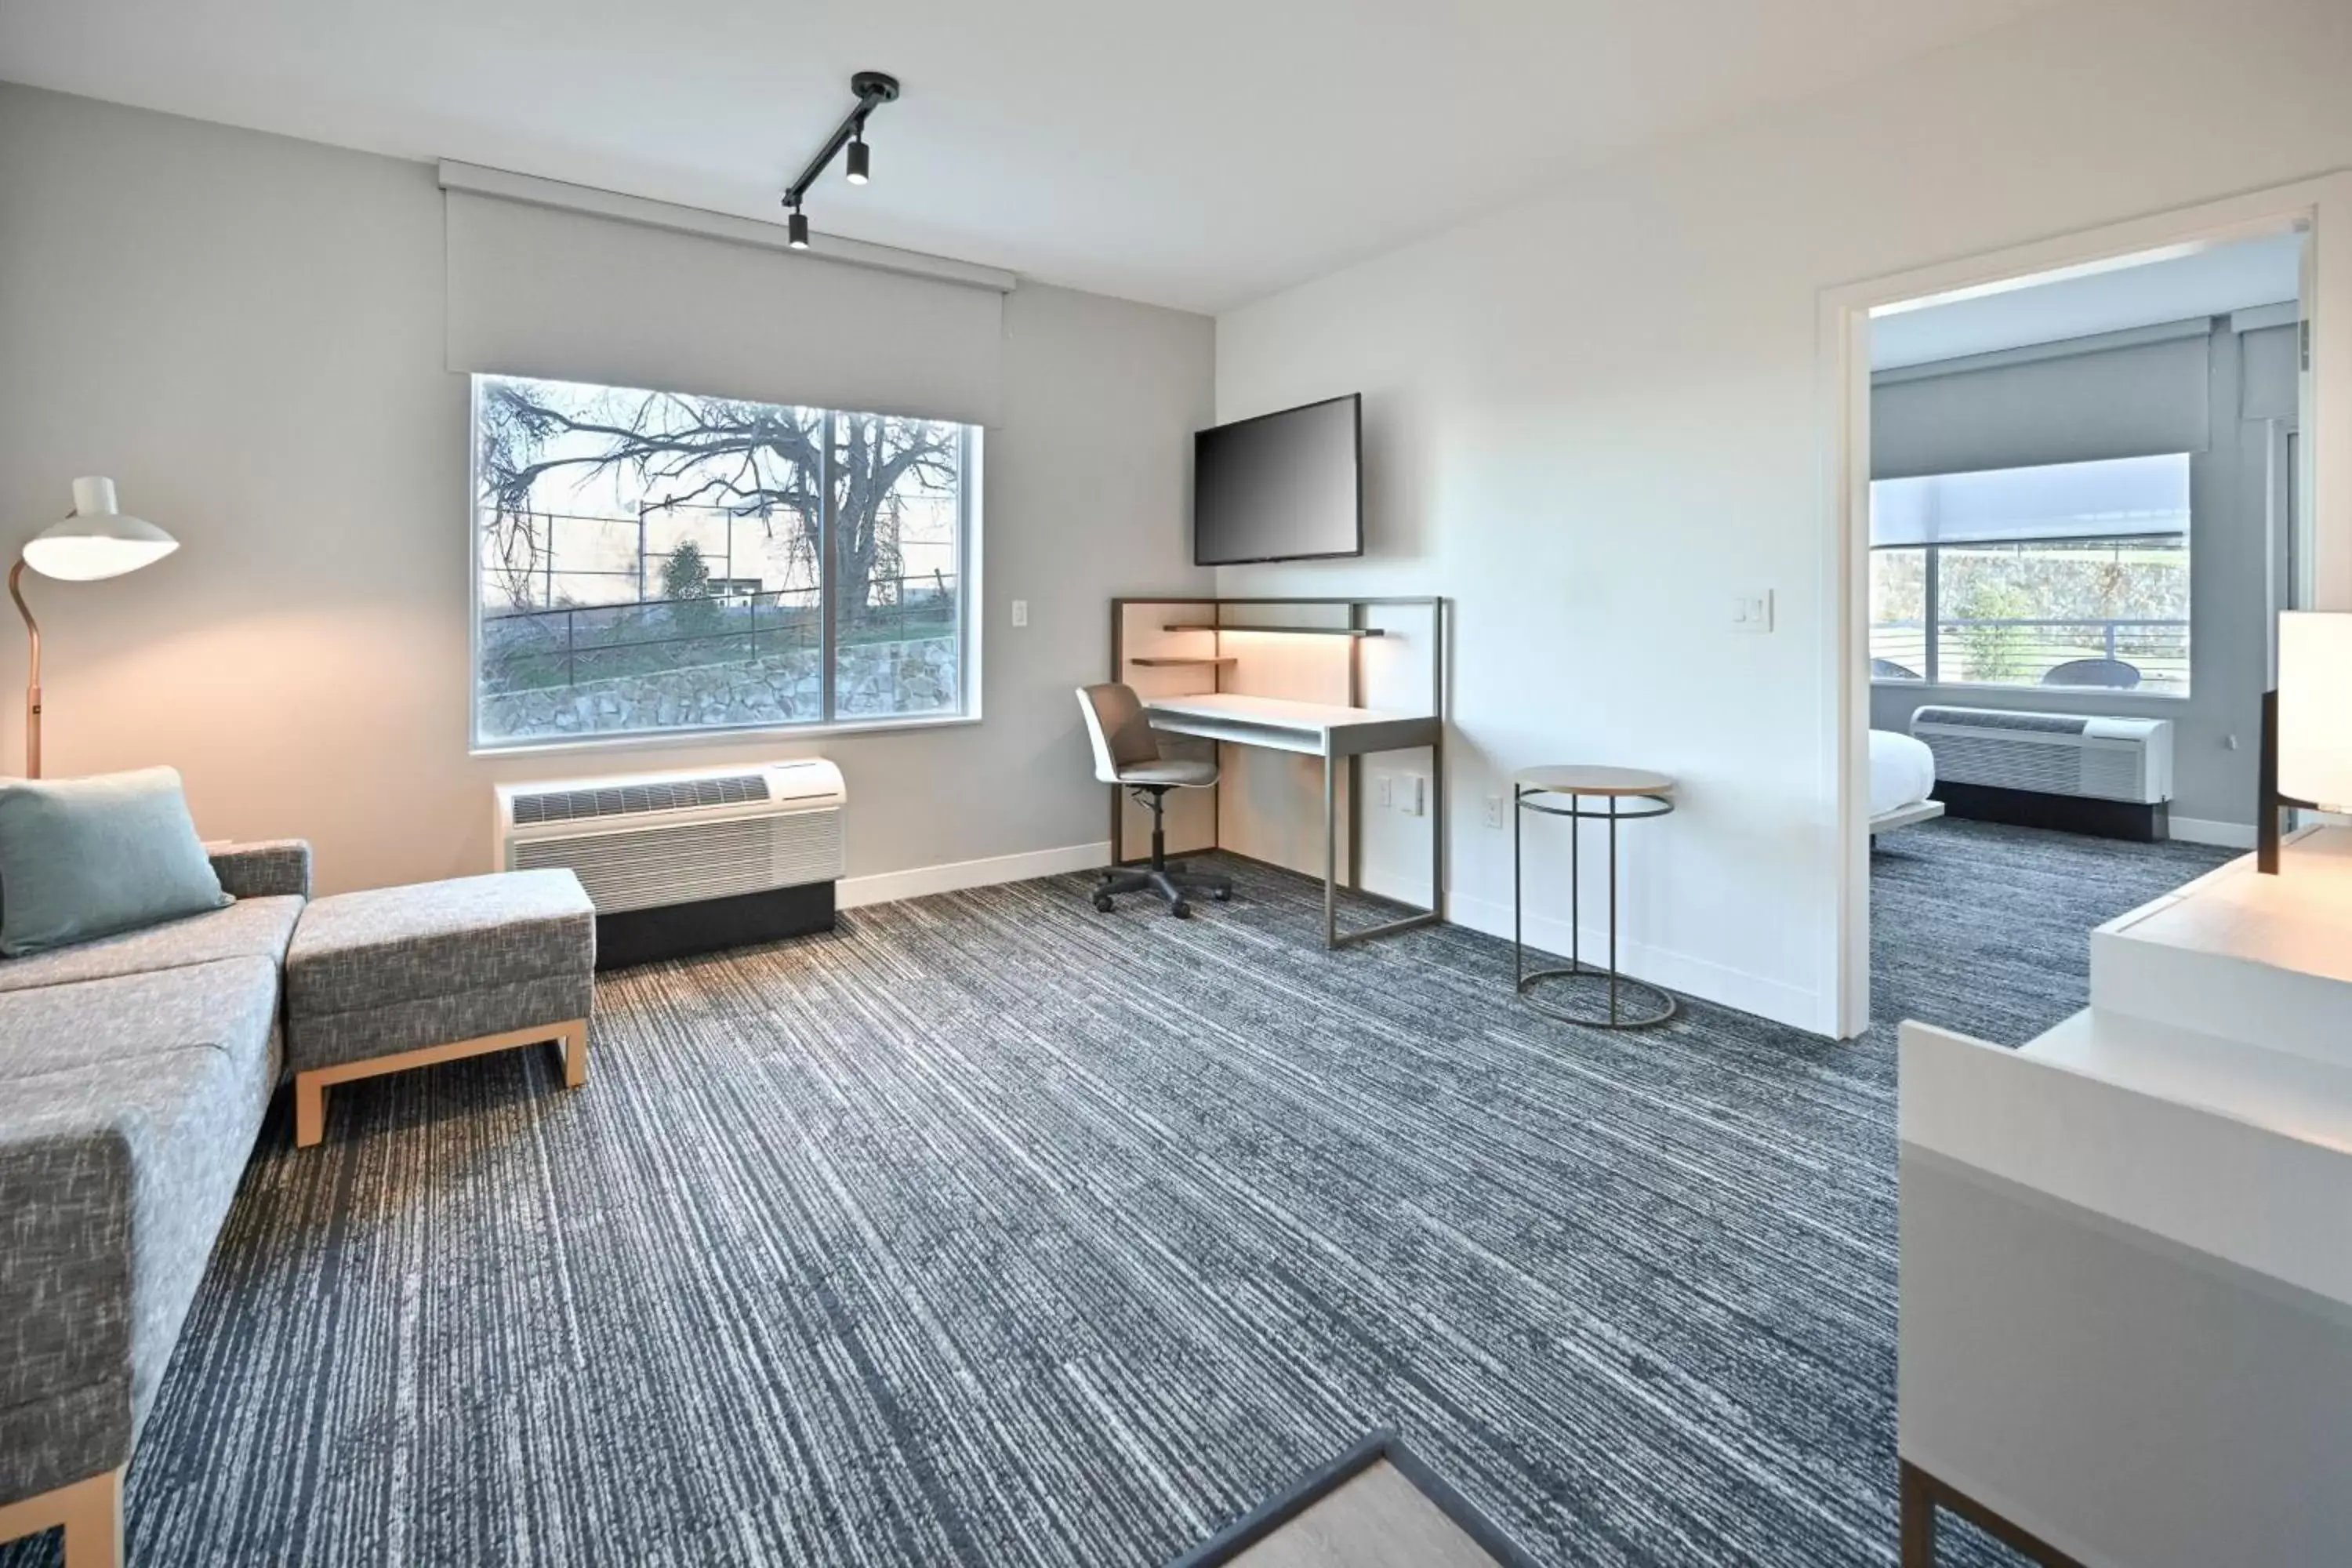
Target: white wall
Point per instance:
(246, 331)
(1594, 418)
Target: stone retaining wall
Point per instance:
(877, 679)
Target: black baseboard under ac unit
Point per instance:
(686, 862)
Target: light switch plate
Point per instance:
(1020, 612)
(1409, 793)
(1752, 612)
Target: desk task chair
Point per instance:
(1127, 752)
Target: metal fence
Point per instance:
(2155, 653)
(535, 650)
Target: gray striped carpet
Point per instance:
(992, 1230)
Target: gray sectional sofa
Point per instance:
(134, 1073)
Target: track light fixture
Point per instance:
(873, 89)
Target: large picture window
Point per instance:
(2072, 574)
(659, 562)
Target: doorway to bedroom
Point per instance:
(2082, 520)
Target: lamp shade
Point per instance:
(2315, 708)
(96, 541)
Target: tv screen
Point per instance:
(1282, 487)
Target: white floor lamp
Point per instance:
(96, 541)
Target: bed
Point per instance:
(1902, 771)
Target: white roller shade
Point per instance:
(2110, 402)
(569, 296)
(2122, 497)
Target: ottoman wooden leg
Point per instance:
(572, 1043)
(570, 1038)
(91, 1511)
(309, 1108)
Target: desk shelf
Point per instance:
(1285, 631)
(1155, 661)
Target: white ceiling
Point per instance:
(1200, 155)
(2177, 287)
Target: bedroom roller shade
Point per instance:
(568, 296)
(2109, 402)
(2120, 497)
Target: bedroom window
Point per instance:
(651, 563)
(2072, 576)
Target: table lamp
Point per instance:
(95, 541)
(2306, 757)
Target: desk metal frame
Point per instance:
(1333, 937)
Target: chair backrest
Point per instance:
(2113, 673)
(1121, 736)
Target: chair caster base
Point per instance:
(1169, 882)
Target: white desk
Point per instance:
(1333, 733)
(2126, 1246)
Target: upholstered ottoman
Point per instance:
(402, 977)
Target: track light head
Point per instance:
(873, 88)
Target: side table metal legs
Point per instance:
(1631, 1004)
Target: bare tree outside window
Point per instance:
(656, 561)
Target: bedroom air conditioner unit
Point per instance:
(2069, 771)
(2050, 753)
(681, 862)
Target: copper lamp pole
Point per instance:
(33, 677)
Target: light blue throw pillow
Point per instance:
(90, 858)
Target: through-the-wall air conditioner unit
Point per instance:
(686, 861)
(2078, 772)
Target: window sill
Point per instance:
(2025, 693)
(646, 740)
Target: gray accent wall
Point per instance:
(246, 333)
(2113, 403)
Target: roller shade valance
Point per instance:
(2129, 402)
(2121, 498)
(539, 291)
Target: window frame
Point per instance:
(1931, 631)
(968, 523)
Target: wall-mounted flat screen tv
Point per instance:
(1281, 487)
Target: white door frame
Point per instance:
(2322, 205)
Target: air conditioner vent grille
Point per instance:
(1983, 719)
(635, 800)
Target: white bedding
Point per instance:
(1902, 769)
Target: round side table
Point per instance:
(1631, 795)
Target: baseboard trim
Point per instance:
(889, 887)
(1679, 972)
(2220, 835)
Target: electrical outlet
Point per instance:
(1020, 612)
(1494, 811)
(1384, 790)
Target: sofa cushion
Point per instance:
(250, 928)
(87, 857)
(132, 1103)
